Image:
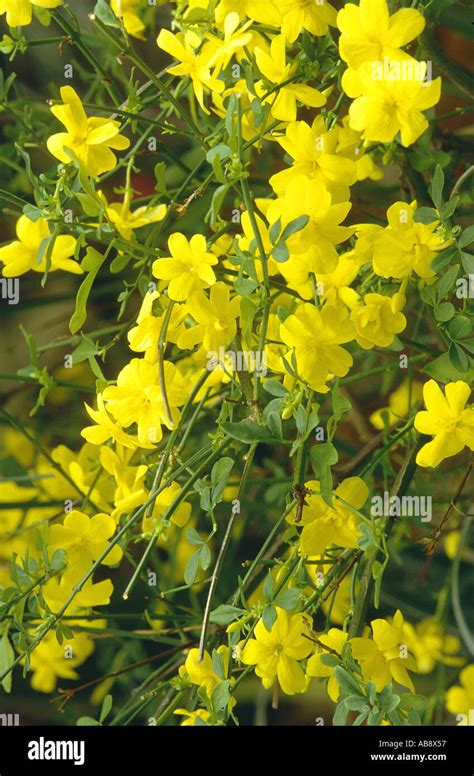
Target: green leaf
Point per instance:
(220, 696)
(459, 327)
(106, 708)
(288, 599)
(467, 260)
(7, 656)
(355, 702)
(444, 312)
(441, 261)
(346, 682)
(269, 617)
(436, 187)
(425, 215)
(87, 722)
(205, 557)
(340, 715)
(193, 537)
(32, 212)
(322, 457)
(294, 226)
(274, 231)
(275, 388)
(464, 239)
(191, 570)
(443, 370)
(447, 281)
(224, 614)
(92, 262)
(248, 432)
(58, 560)
(459, 359)
(104, 12)
(268, 587)
(219, 477)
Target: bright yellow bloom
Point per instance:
(300, 15)
(125, 10)
(430, 645)
(137, 398)
(24, 254)
(335, 640)
(20, 12)
(105, 427)
(179, 517)
(84, 539)
(272, 65)
(400, 402)
(310, 197)
(126, 221)
(191, 716)
(201, 672)
(447, 420)
(406, 246)
(216, 319)
(91, 139)
(383, 107)
(369, 33)
(379, 319)
(143, 338)
(324, 525)
(197, 66)
(316, 337)
(385, 657)
(235, 39)
(314, 153)
(460, 699)
(189, 268)
(263, 11)
(57, 591)
(51, 661)
(275, 654)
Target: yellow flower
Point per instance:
(57, 591)
(316, 337)
(324, 525)
(314, 153)
(197, 66)
(215, 316)
(460, 699)
(272, 65)
(30, 251)
(385, 657)
(263, 11)
(84, 539)
(234, 39)
(406, 246)
(125, 10)
(335, 640)
(369, 33)
(105, 427)
(51, 661)
(143, 338)
(137, 398)
(447, 420)
(91, 139)
(383, 107)
(179, 517)
(378, 320)
(189, 268)
(20, 12)
(300, 15)
(201, 672)
(191, 716)
(310, 197)
(126, 221)
(430, 645)
(400, 402)
(275, 654)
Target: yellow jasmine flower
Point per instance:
(179, 517)
(191, 716)
(300, 15)
(335, 640)
(92, 139)
(51, 660)
(316, 337)
(369, 33)
(201, 672)
(460, 698)
(314, 153)
(84, 539)
(324, 525)
(406, 246)
(125, 10)
(263, 11)
(20, 12)
(143, 338)
(105, 427)
(275, 654)
(234, 40)
(137, 398)
(57, 591)
(385, 657)
(430, 645)
(24, 254)
(379, 319)
(400, 402)
(126, 221)
(216, 319)
(197, 66)
(305, 196)
(447, 420)
(189, 268)
(272, 65)
(383, 107)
